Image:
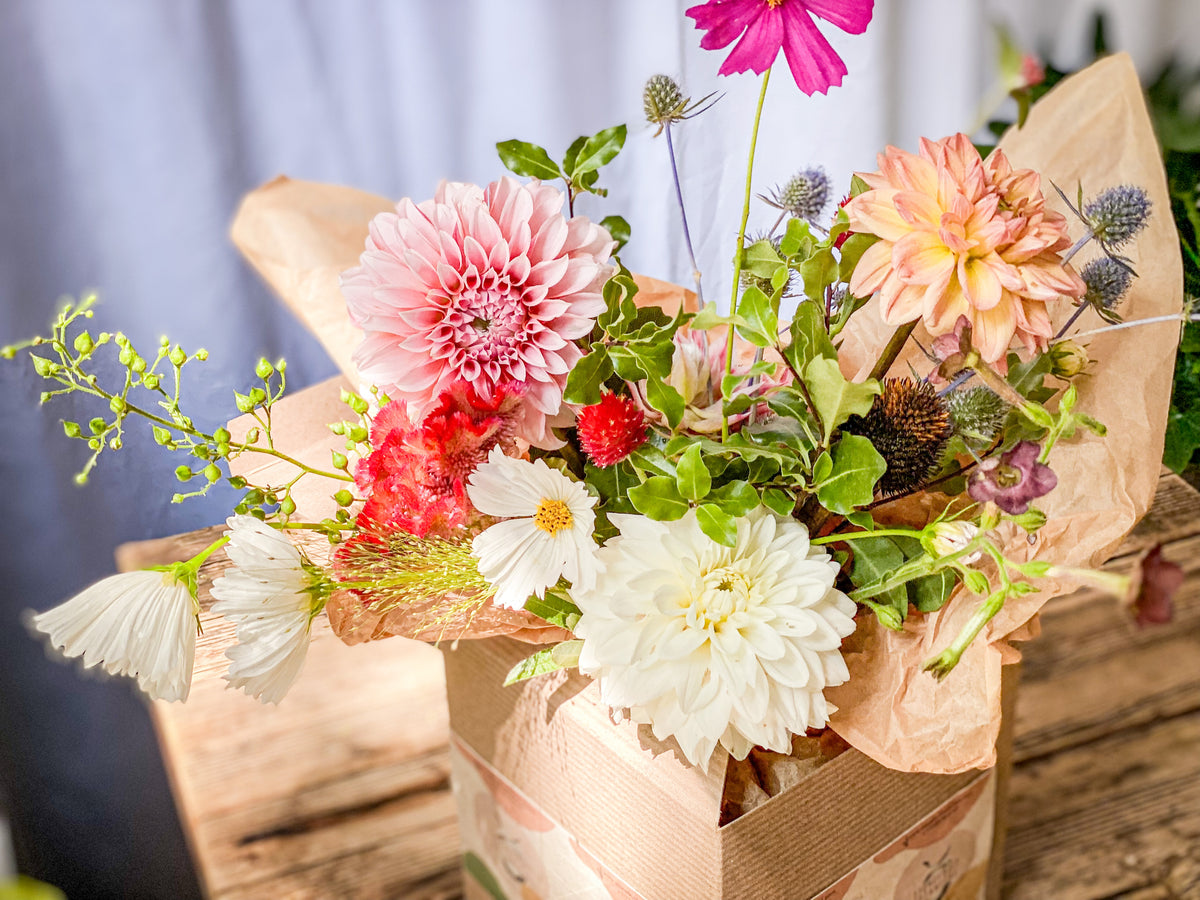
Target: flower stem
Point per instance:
(1174, 317)
(892, 350)
(741, 238)
(1071, 321)
(837, 538)
(687, 235)
(941, 665)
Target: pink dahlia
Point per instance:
(961, 237)
(766, 26)
(489, 286)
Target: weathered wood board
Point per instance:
(343, 790)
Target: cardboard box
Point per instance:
(557, 801)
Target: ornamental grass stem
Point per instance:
(741, 239)
(892, 350)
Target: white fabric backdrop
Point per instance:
(132, 127)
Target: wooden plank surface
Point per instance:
(343, 790)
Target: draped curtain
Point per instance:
(132, 127)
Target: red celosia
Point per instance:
(415, 476)
(611, 429)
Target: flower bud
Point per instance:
(97, 425)
(72, 429)
(339, 460)
(287, 506)
(201, 354)
(976, 582)
(948, 538)
(264, 369)
(151, 382)
(81, 479)
(84, 344)
(343, 497)
(212, 472)
(183, 473)
(1031, 520)
(177, 356)
(1068, 359)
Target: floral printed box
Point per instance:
(556, 802)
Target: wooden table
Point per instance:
(343, 791)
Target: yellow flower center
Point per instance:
(553, 516)
(774, 4)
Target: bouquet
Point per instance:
(813, 505)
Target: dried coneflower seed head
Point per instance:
(909, 425)
(977, 415)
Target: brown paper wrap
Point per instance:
(1093, 129)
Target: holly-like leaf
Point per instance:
(762, 325)
(618, 228)
(876, 558)
(809, 339)
(658, 498)
(835, 398)
(735, 497)
(666, 400)
(778, 501)
(598, 150)
(528, 159)
(584, 380)
(691, 475)
(818, 272)
(857, 465)
(717, 524)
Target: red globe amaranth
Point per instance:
(611, 429)
(415, 477)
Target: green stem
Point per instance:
(892, 350)
(855, 535)
(741, 238)
(944, 662)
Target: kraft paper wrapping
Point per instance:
(1093, 128)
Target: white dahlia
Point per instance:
(711, 644)
(135, 623)
(547, 534)
(268, 598)
(492, 286)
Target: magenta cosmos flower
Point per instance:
(489, 286)
(766, 26)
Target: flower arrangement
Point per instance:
(694, 505)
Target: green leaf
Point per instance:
(852, 250)
(735, 497)
(862, 519)
(649, 459)
(710, 317)
(809, 339)
(666, 400)
(658, 498)
(797, 238)
(875, 559)
(717, 524)
(761, 259)
(778, 501)
(572, 154)
(762, 325)
(930, 593)
(691, 475)
(584, 380)
(528, 159)
(598, 150)
(857, 465)
(555, 609)
(540, 663)
(819, 271)
(618, 228)
(627, 363)
(835, 398)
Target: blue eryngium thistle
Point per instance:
(1107, 281)
(664, 102)
(805, 195)
(1117, 214)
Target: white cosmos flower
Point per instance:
(712, 644)
(264, 594)
(548, 532)
(135, 623)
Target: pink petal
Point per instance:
(872, 269)
(724, 20)
(851, 16)
(759, 45)
(814, 63)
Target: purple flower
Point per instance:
(767, 26)
(1012, 480)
